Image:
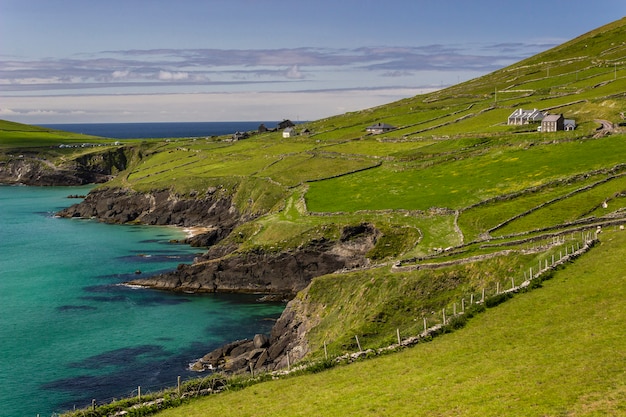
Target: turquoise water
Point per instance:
(70, 334)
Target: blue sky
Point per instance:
(81, 61)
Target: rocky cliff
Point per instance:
(287, 342)
(285, 272)
(286, 345)
(32, 169)
(229, 269)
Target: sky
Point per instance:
(92, 61)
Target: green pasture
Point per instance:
(558, 350)
(457, 184)
(577, 206)
(20, 136)
(479, 219)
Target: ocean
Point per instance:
(69, 333)
(160, 130)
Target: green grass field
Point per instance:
(556, 351)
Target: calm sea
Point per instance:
(160, 130)
(69, 333)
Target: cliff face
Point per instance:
(118, 205)
(226, 269)
(287, 342)
(285, 272)
(30, 169)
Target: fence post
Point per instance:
(444, 316)
(471, 298)
(139, 393)
(463, 305)
(497, 288)
(325, 351)
(398, 332)
(358, 343)
(252, 367)
(483, 299)
(425, 328)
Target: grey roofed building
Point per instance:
(569, 124)
(552, 123)
(379, 128)
(524, 117)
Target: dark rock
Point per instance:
(96, 167)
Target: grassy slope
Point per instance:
(559, 350)
(20, 136)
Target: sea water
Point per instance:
(161, 129)
(70, 333)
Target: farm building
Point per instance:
(289, 132)
(569, 124)
(524, 117)
(285, 124)
(552, 123)
(379, 128)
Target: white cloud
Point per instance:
(120, 74)
(173, 76)
(294, 73)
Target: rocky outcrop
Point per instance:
(227, 269)
(286, 345)
(284, 272)
(32, 169)
(117, 205)
(287, 342)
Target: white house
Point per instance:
(524, 117)
(289, 132)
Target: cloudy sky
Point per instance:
(80, 61)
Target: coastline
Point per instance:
(193, 231)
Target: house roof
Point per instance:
(552, 117)
(534, 113)
(383, 126)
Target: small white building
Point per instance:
(289, 132)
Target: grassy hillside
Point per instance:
(556, 351)
(18, 136)
(465, 203)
